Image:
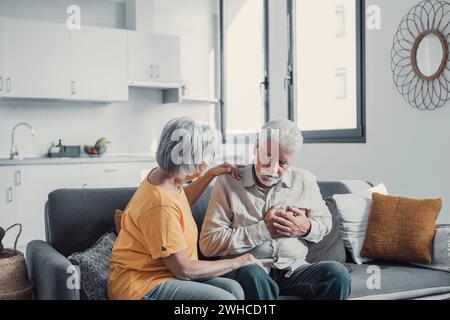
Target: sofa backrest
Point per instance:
(76, 218)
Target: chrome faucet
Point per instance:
(14, 153)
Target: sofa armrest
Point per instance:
(52, 274)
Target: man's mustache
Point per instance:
(270, 177)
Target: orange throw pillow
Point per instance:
(117, 220)
(401, 229)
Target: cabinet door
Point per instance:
(111, 182)
(7, 212)
(114, 175)
(141, 60)
(2, 57)
(99, 64)
(32, 189)
(37, 60)
(167, 56)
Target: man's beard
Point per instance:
(264, 179)
(269, 181)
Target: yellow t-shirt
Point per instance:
(156, 224)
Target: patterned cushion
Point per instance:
(94, 267)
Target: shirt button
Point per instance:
(163, 248)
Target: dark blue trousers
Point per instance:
(319, 281)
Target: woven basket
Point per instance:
(14, 281)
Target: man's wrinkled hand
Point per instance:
(272, 220)
(293, 223)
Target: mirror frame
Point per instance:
(420, 91)
(445, 52)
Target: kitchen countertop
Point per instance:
(81, 160)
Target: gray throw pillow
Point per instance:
(94, 267)
(331, 248)
(441, 250)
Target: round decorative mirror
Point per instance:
(420, 55)
(429, 54)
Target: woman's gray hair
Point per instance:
(286, 132)
(184, 145)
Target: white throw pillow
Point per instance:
(354, 210)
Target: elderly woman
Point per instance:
(155, 255)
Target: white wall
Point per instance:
(134, 126)
(407, 149)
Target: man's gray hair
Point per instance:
(289, 136)
(184, 145)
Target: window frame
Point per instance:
(250, 137)
(357, 135)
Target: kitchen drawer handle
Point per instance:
(18, 178)
(157, 72)
(73, 87)
(111, 170)
(8, 84)
(151, 71)
(1, 84)
(9, 195)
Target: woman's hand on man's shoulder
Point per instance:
(225, 168)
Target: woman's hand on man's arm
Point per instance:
(185, 269)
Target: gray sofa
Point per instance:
(75, 219)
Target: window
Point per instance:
(244, 66)
(327, 92)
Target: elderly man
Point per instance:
(272, 212)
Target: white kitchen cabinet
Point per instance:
(34, 183)
(42, 60)
(167, 57)
(153, 59)
(141, 64)
(7, 212)
(2, 57)
(7, 202)
(99, 64)
(118, 175)
(37, 60)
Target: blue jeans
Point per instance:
(255, 281)
(212, 289)
(327, 280)
(318, 281)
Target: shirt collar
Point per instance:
(248, 178)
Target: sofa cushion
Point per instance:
(396, 281)
(76, 218)
(93, 265)
(401, 229)
(354, 211)
(331, 248)
(441, 250)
